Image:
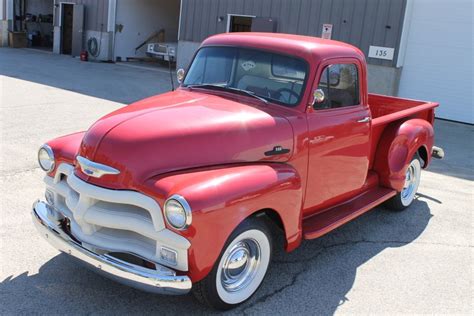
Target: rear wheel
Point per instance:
(404, 198)
(240, 269)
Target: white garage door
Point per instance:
(439, 62)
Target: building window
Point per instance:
(239, 23)
(340, 83)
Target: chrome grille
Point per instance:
(114, 220)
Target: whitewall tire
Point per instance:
(240, 269)
(404, 198)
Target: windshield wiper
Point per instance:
(227, 88)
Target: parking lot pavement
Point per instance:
(417, 261)
(102, 80)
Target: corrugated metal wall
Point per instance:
(359, 22)
(96, 13)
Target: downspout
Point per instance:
(179, 21)
(405, 31)
(111, 20)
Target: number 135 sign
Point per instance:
(381, 52)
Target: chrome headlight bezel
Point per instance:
(186, 212)
(49, 152)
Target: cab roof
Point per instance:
(307, 47)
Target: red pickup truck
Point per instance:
(267, 134)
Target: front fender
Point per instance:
(222, 198)
(398, 145)
(65, 149)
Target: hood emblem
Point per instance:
(95, 169)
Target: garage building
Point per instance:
(419, 49)
(110, 29)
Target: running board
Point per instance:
(324, 222)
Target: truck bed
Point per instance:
(386, 110)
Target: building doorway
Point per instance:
(72, 28)
(239, 23)
(250, 23)
(34, 20)
(67, 22)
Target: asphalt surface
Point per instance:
(417, 261)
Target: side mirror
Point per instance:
(318, 96)
(180, 75)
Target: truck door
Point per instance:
(339, 132)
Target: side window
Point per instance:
(340, 83)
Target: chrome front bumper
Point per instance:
(162, 280)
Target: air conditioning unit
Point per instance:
(166, 51)
(99, 45)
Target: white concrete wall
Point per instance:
(9, 9)
(57, 40)
(3, 12)
(5, 18)
(3, 33)
(382, 79)
(140, 19)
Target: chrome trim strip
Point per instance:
(95, 169)
(50, 153)
(187, 210)
(162, 280)
(364, 120)
(89, 216)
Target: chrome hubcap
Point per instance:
(240, 265)
(410, 182)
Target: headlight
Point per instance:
(178, 212)
(46, 158)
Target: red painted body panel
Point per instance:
(188, 130)
(209, 147)
(338, 146)
(387, 110)
(324, 222)
(65, 148)
(223, 197)
(399, 142)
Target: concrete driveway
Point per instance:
(417, 261)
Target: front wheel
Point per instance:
(404, 198)
(240, 269)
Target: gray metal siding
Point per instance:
(96, 13)
(358, 22)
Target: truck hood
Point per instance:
(181, 130)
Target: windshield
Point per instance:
(277, 78)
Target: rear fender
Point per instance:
(223, 198)
(399, 143)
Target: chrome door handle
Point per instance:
(364, 120)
